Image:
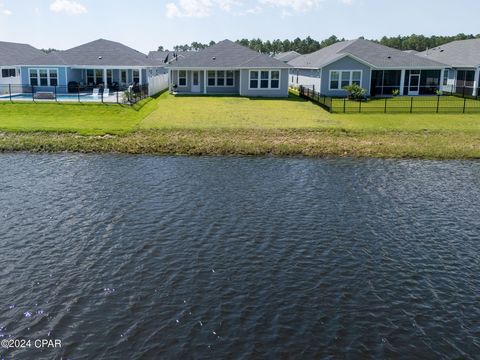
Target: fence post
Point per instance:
(344, 104)
(55, 90)
(33, 93)
(385, 109)
(411, 104)
(10, 91)
(117, 96)
(464, 104)
(78, 92)
(438, 102)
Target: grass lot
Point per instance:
(402, 104)
(235, 125)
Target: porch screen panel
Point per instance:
(429, 82)
(391, 81)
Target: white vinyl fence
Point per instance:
(157, 83)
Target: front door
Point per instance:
(196, 81)
(414, 85)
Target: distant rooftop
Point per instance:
(227, 54)
(461, 53)
(17, 54)
(374, 54)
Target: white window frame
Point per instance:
(259, 71)
(48, 70)
(181, 77)
(340, 74)
(224, 79)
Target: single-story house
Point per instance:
(229, 68)
(12, 57)
(378, 69)
(287, 56)
(96, 64)
(463, 60)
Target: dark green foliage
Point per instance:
(309, 45)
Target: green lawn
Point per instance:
(234, 125)
(80, 118)
(402, 104)
(243, 113)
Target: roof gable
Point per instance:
(227, 54)
(96, 53)
(376, 55)
(461, 53)
(17, 54)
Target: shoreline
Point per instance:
(434, 145)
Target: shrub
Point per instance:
(395, 92)
(355, 92)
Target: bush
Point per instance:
(395, 92)
(355, 92)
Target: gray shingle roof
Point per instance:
(287, 56)
(17, 54)
(462, 53)
(227, 54)
(378, 56)
(96, 53)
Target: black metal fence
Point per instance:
(400, 104)
(74, 93)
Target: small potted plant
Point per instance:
(395, 92)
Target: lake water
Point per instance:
(138, 257)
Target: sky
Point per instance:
(146, 24)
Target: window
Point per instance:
(357, 78)
(253, 79)
(53, 77)
(275, 82)
(182, 78)
(123, 76)
(220, 78)
(90, 77)
(446, 75)
(340, 79)
(6, 73)
(345, 79)
(230, 78)
(211, 78)
(109, 77)
(334, 76)
(43, 77)
(265, 79)
(136, 77)
(33, 77)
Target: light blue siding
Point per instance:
(346, 63)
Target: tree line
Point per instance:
(309, 45)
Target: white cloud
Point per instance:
(201, 8)
(189, 8)
(69, 7)
(4, 11)
(294, 5)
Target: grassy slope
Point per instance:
(234, 125)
